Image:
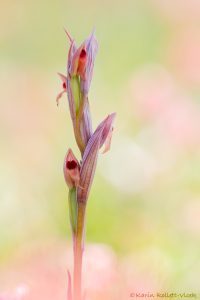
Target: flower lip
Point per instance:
(83, 54)
(71, 164)
(64, 85)
(71, 170)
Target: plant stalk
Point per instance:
(78, 251)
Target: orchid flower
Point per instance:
(71, 170)
(76, 84)
(79, 175)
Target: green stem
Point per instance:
(78, 251)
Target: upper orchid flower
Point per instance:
(76, 84)
(81, 62)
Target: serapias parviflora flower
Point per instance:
(81, 175)
(76, 84)
(71, 170)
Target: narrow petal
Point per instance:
(64, 86)
(63, 78)
(71, 53)
(90, 156)
(71, 102)
(91, 47)
(107, 128)
(108, 141)
(68, 35)
(59, 96)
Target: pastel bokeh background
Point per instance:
(143, 217)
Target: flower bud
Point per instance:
(101, 136)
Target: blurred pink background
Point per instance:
(143, 225)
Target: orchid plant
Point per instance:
(79, 174)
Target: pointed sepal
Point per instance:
(90, 156)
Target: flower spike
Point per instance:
(79, 176)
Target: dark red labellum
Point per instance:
(71, 164)
(83, 54)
